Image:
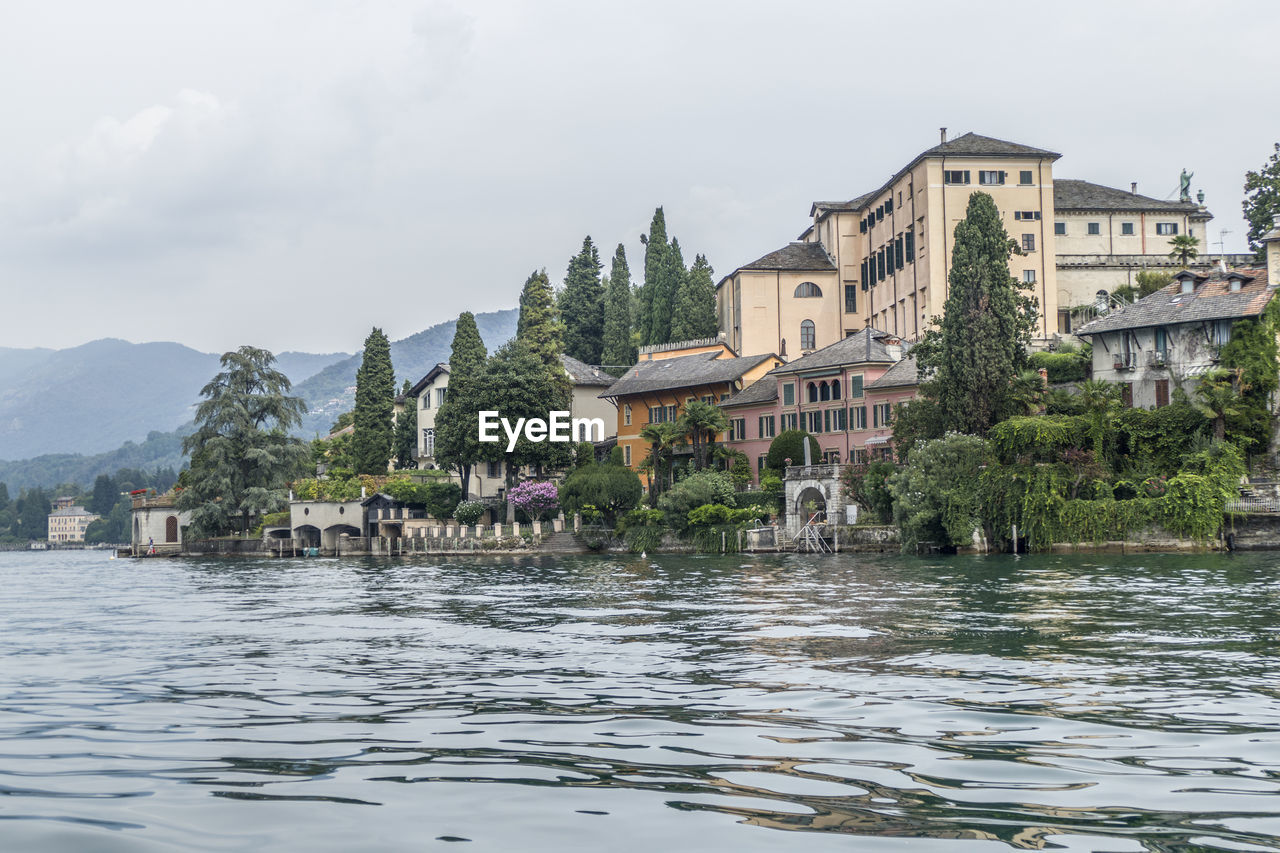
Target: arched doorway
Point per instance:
(171, 529)
(811, 500)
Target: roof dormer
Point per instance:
(1236, 280)
(1189, 281)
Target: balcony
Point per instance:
(1124, 361)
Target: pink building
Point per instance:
(843, 395)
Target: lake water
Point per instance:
(672, 703)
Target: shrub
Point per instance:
(611, 489)
(936, 495)
(771, 483)
(868, 486)
(534, 498)
(701, 487)
(469, 512)
(710, 514)
(789, 444)
(1061, 366)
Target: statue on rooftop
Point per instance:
(1184, 185)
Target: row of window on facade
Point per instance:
(817, 421)
(987, 177)
(425, 400)
(888, 259)
(857, 456)
(1127, 229)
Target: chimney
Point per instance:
(1133, 187)
(942, 131)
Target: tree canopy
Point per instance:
(1262, 199)
(618, 348)
(457, 421)
(539, 327)
(582, 306)
(405, 442)
(242, 456)
(371, 443)
(695, 317)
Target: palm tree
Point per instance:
(1219, 399)
(1100, 399)
(662, 440)
(1184, 248)
(701, 422)
(1027, 392)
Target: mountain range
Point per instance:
(68, 415)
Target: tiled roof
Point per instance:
(1212, 300)
(902, 374)
(973, 145)
(686, 371)
(794, 256)
(581, 373)
(763, 390)
(861, 347)
(442, 367)
(853, 204)
(1083, 195)
(71, 510)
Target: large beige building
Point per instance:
(68, 522)
(882, 258)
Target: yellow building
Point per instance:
(882, 259)
(67, 522)
(667, 377)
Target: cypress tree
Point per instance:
(406, 435)
(582, 306)
(457, 421)
(617, 313)
(539, 327)
(695, 312)
(670, 283)
(655, 264)
(371, 443)
(986, 326)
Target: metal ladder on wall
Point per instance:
(810, 539)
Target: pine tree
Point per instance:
(986, 326)
(457, 421)
(617, 313)
(694, 317)
(539, 327)
(582, 306)
(655, 265)
(406, 435)
(375, 401)
(242, 456)
(670, 283)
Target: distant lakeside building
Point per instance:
(881, 260)
(68, 522)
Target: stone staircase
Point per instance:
(563, 542)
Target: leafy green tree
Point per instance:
(1149, 281)
(612, 489)
(582, 306)
(31, 514)
(697, 489)
(539, 328)
(701, 423)
(4, 496)
(371, 443)
(618, 349)
(515, 383)
(695, 311)
(1219, 400)
(406, 431)
(980, 344)
(868, 486)
(789, 444)
(242, 456)
(344, 420)
(1183, 248)
(1252, 353)
(936, 496)
(457, 421)
(655, 270)
(1262, 200)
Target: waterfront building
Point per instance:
(667, 377)
(1105, 236)
(1171, 338)
(158, 521)
(68, 522)
(843, 395)
(488, 478)
(881, 259)
(1271, 247)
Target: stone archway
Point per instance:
(811, 499)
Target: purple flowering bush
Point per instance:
(535, 498)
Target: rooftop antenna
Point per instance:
(1222, 234)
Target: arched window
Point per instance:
(824, 392)
(813, 393)
(808, 290)
(835, 389)
(808, 335)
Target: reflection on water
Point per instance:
(1115, 703)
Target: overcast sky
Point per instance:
(289, 174)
